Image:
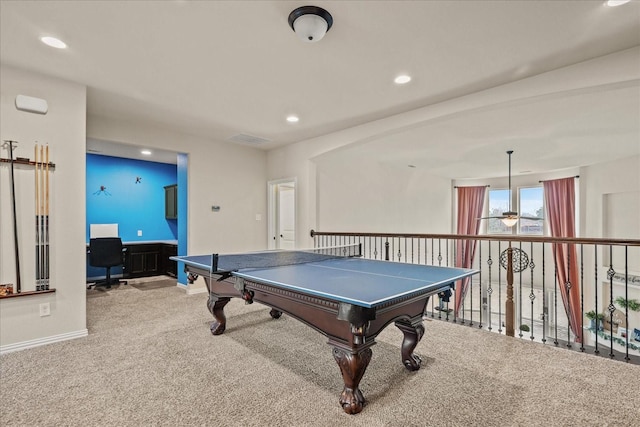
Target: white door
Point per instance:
(286, 230)
(282, 213)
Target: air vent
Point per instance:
(248, 139)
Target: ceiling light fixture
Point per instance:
(310, 23)
(510, 218)
(614, 3)
(293, 119)
(146, 152)
(402, 79)
(53, 42)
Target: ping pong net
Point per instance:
(225, 264)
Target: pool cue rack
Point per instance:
(28, 293)
(42, 222)
(28, 162)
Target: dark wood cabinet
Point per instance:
(169, 267)
(171, 201)
(142, 260)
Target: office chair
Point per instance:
(106, 252)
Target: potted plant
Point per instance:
(593, 316)
(630, 304)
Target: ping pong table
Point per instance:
(348, 299)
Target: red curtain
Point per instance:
(560, 200)
(470, 204)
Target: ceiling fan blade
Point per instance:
(532, 218)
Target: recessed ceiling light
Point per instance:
(53, 42)
(402, 79)
(146, 152)
(293, 119)
(613, 3)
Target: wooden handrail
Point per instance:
(489, 237)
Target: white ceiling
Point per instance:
(222, 68)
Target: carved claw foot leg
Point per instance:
(275, 313)
(352, 366)
(412, 335)
(216, 307)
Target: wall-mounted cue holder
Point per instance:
(42, 167)
(27, 161)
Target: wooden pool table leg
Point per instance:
(412, 336)
(216, 307)
(276, 314)
(352, 366)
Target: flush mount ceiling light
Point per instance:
(310, 23)
(53, 42)
(293, 119)
(146, 152)
(402, 79)
(613, 3)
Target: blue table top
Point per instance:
(362, 282)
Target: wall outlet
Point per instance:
(139, 233)
(258, 217)
(45, 309)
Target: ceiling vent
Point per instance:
(248, 139)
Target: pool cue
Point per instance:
(41, 204)
(38, 271)
(46, 228)
(15, 217)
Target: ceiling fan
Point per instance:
(510, 218)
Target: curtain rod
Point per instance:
(577, 176)
(464, 186)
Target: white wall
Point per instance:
(375, 197)
(63, 128)
(221, 173)
(307, 160)
(611, 178)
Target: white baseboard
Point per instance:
(199, 290)
(191, 289)
(43, 341)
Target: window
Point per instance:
(530, 203)
(498, 203)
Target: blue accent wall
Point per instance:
(132, 205)
(182, 213)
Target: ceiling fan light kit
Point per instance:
(510, 218)
(510, 221)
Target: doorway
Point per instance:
(282, 214)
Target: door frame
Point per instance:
(272, 205)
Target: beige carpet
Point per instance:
(153, 284)
(150, 360)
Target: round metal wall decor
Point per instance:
(520, 259)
